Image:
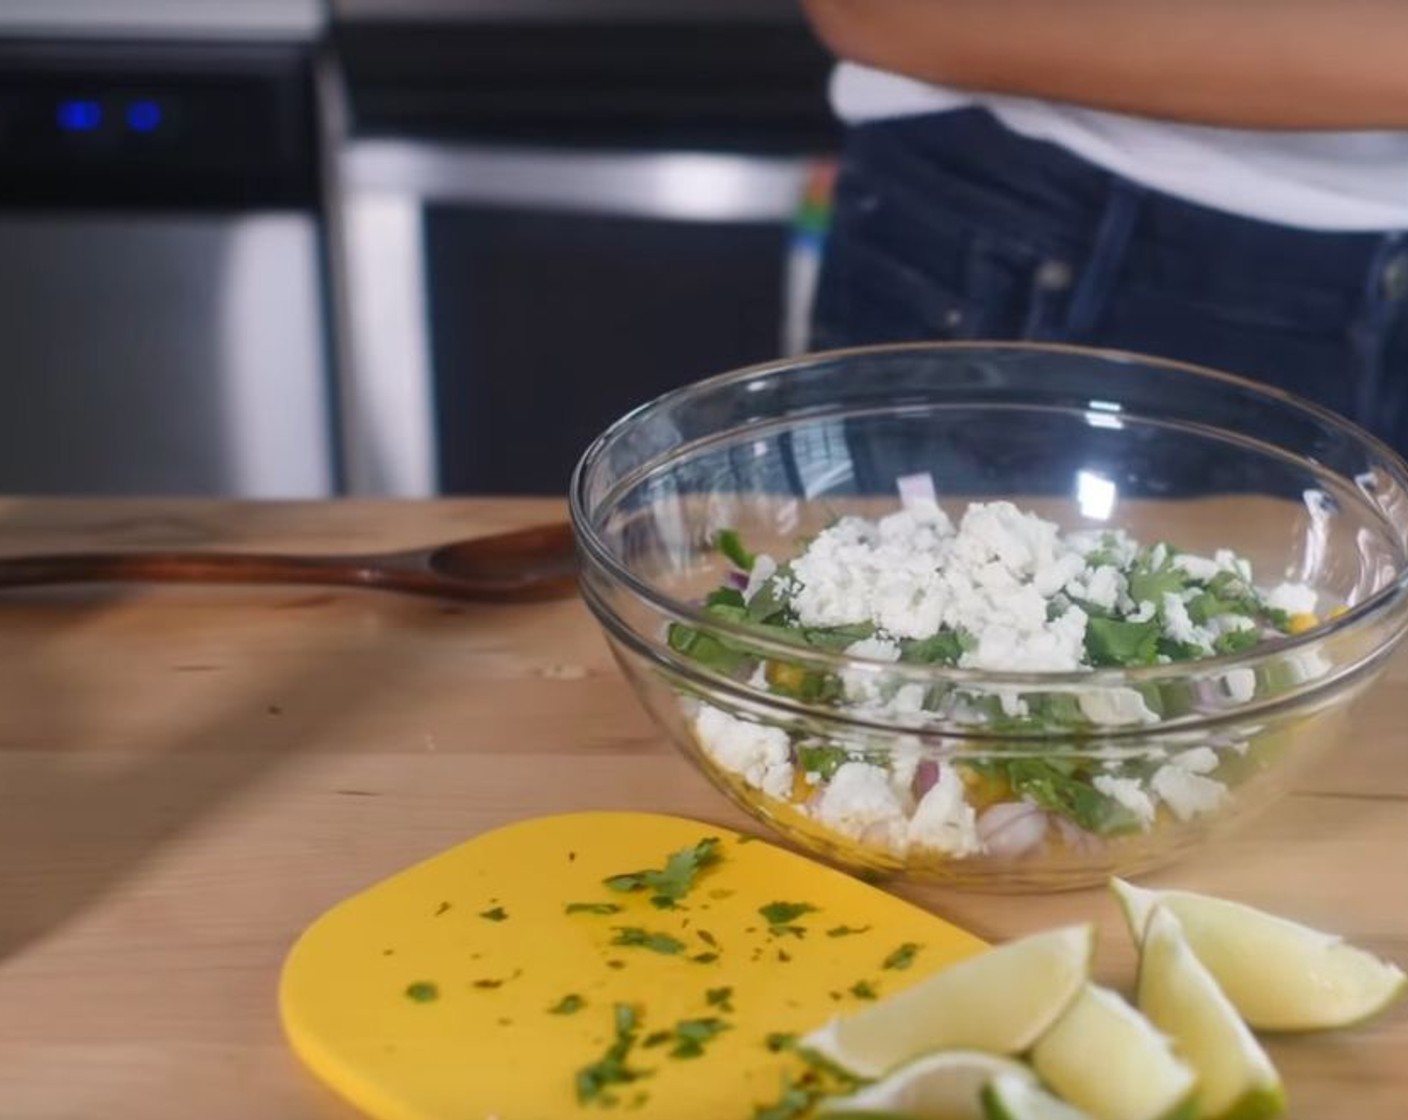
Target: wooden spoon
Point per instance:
(518, 566)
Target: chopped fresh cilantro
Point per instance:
(778, 1041)
(1235, 641)
(611, 1068)
(863, 989)
(943, 648)
(592, 908)
(704, 958)
(441, 909)
(1111, 642)
(728, 542)
(422, 991)
(726, 597)
(720, 998)
(672, 882)
(708, 938)
(795, 1101)
(645, 939)
(1150, 582)
(902, 957)
(780, 913)
(1058, 785)
(846, 931)
(822, 761)
(488, 984)
(569, 1004)
(497, 914)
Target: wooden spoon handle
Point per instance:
(206, 567)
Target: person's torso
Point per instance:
(1313, 180)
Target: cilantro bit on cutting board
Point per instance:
(902, 957)
(422, 991)
(646, 939)
(675, 880)
(497, 914)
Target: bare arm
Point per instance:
(1334, 64)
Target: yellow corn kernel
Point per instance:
(785, 678)
(1300, 623)
(984, 789)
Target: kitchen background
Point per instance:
(288, 248)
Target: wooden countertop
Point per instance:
(189, 776)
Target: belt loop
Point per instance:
(1106, 256)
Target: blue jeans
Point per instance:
(953, 227)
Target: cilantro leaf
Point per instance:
(1055, 785)
(497, 914)
(645, 939)
(902, 957)
(943, 648)
(422, 991)
(676, 878)
(728, 542)
(1110, 642)
(1150, 582)
(780, 913)
(720, 998)
(592, 1081)
(591, 908)
(846, 931)
(823, 761)
(863, 989)
(778, 1041)
(569, 1004)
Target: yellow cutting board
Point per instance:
(430, 995)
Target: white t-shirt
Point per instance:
(1314, 180)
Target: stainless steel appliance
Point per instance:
(552, 210)
(163, 317)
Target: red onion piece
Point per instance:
(1011, 828)
(926, 776)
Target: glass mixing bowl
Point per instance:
(991, 778)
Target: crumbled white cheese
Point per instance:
(1198, 760)
(1115, 707)
(1293, 598)
(1180, 627)
(877, 649)
(944, 821)
(764, 568)
(991, 577)
(1240, 684)
(860, 802)
(1129, 792)
(1143, 612)
(1105, 586)
(1187, 794)
(758, 754)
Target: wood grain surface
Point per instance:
(189, 776)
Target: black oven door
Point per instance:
(551, 243)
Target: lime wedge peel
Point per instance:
(949, 1084)
(1000, 1002)
(1008, 1097)
(1278, 974)
(1236, 1080)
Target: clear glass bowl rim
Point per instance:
(1360, 616)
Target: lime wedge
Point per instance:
(1236, 1080)
(1105, 1057)
(999, 1001)
(1007, 1097)
(1278, 974)
(947, 1085)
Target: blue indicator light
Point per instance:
(79, 116)
(144, 116)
